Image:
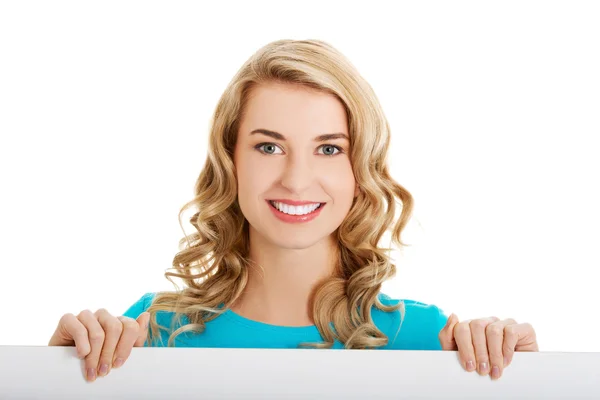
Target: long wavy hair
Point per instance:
(213, 261)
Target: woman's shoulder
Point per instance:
(420, 306)
(140, 305)
(414, 326)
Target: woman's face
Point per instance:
(290, 162)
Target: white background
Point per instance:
(494, 109)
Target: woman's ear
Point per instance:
(356, 191)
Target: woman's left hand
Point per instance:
(487, 341)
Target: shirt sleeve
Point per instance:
(141, 305)
(439, 323)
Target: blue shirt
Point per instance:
(419, 331)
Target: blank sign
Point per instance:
(40, 372)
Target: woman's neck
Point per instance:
(281, 281)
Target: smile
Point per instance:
(295, 213)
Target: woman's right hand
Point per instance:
(105, 341)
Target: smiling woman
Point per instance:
(290, 208)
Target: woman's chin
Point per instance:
(294, 243)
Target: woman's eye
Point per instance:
(329, 149)
(269, 148)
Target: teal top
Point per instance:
(419, 329)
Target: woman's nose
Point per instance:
(298, 175)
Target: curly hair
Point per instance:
(213, 261)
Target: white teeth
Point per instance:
(295, 210)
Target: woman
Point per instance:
(291, 204)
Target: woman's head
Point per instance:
(314, 76)
(300, 89)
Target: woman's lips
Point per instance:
(295, 218)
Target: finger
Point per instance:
(143, 322)
(96, 339)
(527, 338)
(131, 332)
(112, 330)
(462, 335)
(494, 333)
(518, 337)
(446, 335)
(71, 331)
(480, 343)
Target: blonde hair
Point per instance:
(213, 263)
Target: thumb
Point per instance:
(144, 321)
(446, 335)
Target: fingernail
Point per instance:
(505, 361)
(91, 374)
(470, 365)
(103, 370)
(118, 362)
(495, 372)
(483, 368)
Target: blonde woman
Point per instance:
(290, 208)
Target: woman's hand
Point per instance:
(102, 340)
(487, 341)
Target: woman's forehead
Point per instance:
(294, 113)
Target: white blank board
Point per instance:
(40, 372)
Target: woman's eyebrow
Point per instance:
(321, 138)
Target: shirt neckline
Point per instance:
(286, 330)
(307, 329)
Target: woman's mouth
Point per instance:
(294, 214)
